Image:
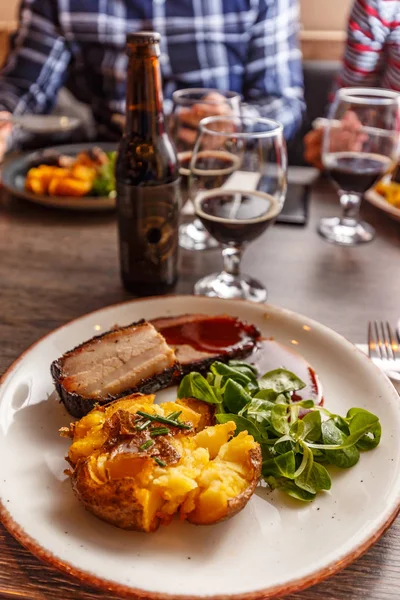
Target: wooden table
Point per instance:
(55, 266)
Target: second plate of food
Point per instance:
(73, 177)
(386, 196)
(276, 544)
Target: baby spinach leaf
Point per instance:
(306, 460)
(283, 399)
(290, 488)
(282, 465)
(341, 423)
(359, 418)
(319, 456)
(235, 396)
(312, 426)
(280, 419)
(242, 424)
(297, 430)
(259, 410)
(281, 380)
(269, 395)
(227, 372)
(267, 450)
(371, 439)
(314, 478)
(305, 403)
(196, 386)
(350, 440)
(284, 444)
(345, 458)
(252, 388)
(245, 368)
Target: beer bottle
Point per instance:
(147, 177)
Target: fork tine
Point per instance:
(385, 342)
(394, 346)
(379, 344)
(372, 346)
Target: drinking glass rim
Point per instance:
(277, 127)
(380, 96)
(177, 95)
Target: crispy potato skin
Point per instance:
(114, 501)
(239, 502)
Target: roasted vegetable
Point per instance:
(390, 191)
(87, 173)
(136, 464)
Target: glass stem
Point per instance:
(232, 256)
(351, 208)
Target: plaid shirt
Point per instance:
(248, 46)
(372, 55)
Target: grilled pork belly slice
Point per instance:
(199, 340)
(125, 360)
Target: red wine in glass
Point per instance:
(356, 172)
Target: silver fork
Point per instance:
(383, 349)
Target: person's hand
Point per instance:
(5, 132)
(213, 104)
(313, 147)
(346, 136)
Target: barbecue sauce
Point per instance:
(217, 335)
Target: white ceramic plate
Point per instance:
(274, 546)
(379, 201)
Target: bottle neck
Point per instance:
(144, 98)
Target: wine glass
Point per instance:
(359, 146)
(238, 185)
(190, 105)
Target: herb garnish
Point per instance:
(160, 462)
(147, 445)
(164, 420)
(143, 424)
(159, 431)
(175, 415)
(295, 448)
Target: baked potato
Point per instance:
(136, 472)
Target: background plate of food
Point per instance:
(276, 544)
(386, 196)
(73, 177)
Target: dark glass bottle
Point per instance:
(147, 177)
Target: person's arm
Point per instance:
(363, 61)
(364, 58)
(273, 83)
(37, 63)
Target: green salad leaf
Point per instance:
(104, 184)
(298, 439)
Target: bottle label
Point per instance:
(148, 223)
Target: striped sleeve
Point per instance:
(369, 26)
(273, 83)
(37, 63)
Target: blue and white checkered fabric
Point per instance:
(249, 46)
